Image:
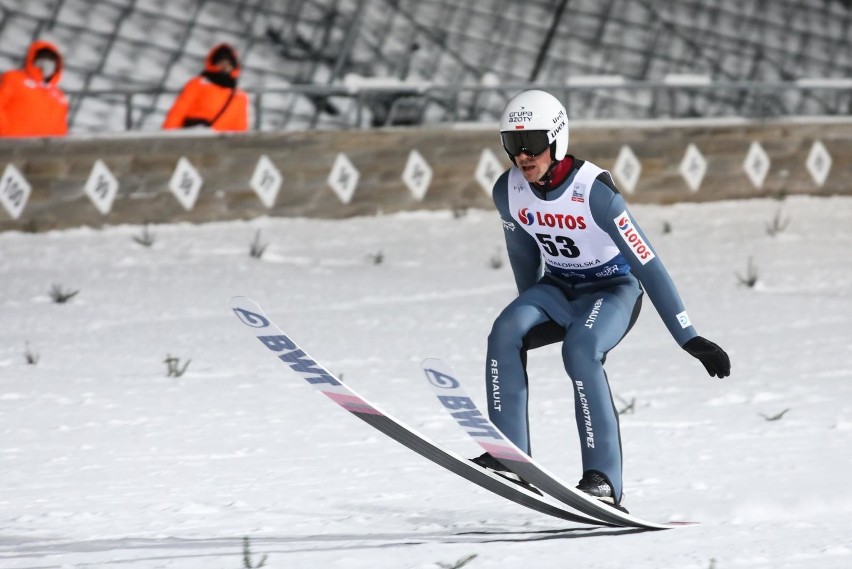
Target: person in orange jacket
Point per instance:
(31, 102)
(212, 98)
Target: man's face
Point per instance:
(224, 65)
(47, 65)
(533, 167)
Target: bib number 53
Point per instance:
(559, 245)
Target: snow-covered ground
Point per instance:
(106, 462)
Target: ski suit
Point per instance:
(578, 258)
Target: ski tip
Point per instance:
(680, 524)
(247, 310)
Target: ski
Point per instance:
(295, 358)
(454, 399)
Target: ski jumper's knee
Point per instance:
(505, 373)
(582, 358)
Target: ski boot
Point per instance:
(597, 486)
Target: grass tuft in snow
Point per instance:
(750, 278)
(775, 417)
(376, 258)
(247, 556)
(61, 295)
(173, 367)
(459, 212)
(30, 356)
(777, 225)
(458, 564)
(629, 406)
(146, 238)
(257, 248)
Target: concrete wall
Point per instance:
(57, 169)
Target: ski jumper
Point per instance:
(578, 258)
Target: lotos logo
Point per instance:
(631, 236)
(560, 220)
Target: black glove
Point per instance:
(715, 360)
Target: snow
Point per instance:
(106, 462)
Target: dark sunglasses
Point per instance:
(533, 142)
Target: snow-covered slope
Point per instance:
(106, 462)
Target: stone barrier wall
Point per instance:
(132, 178)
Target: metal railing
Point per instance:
(366, 107)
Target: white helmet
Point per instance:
(532, 121)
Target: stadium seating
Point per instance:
(149, 48)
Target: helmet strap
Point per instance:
(548, 175)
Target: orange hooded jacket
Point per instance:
(212, 98)
(29, 105)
